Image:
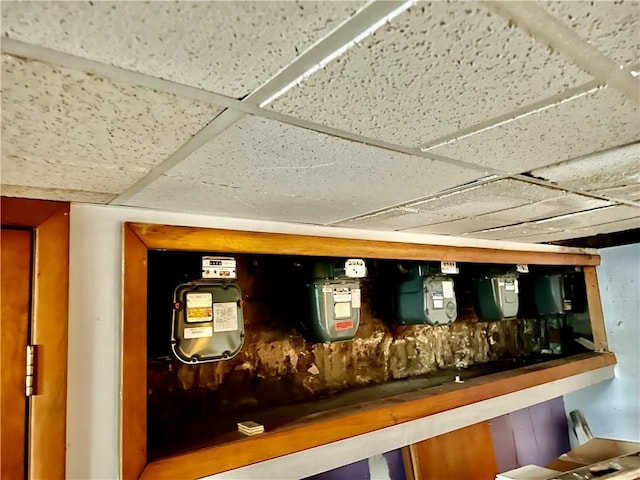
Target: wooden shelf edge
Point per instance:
(236, 241)
(389, 412)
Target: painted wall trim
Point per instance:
(134, 214)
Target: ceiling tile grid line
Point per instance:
(363, 23)
(613, 173)
(69, 130)
(594, 221)
(485, 173)
(440, 67)
(550, 207)
(218, 125)
(551, 32)
(225, 47)
(595, 217)
(541, 222)
(19, 48)
(571, 189)
(522, 178)
(301, 175)
(409, 204)
(45, 55)
(535, 210)
(612, 27)
(595, 122)
(366, 20)
(522, 112)
(499, 203)
(609, 227)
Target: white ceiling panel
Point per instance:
(435, 69)
(619, 226)
(591, 123)
(70, 175)
(612, 27)
(613, 172)
(514, 231)
(458, 227)
(265, 169)
(67, 130)
(55, 194)
(592, 218)
(470, 202)
(561, 205)
(224, 47)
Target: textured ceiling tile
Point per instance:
(69, 130)
(514, 231)
(264, 169)
(435, 69)
(55, 194)
(592, 218)
(617, 226)
(613, 172)
(68, 176)
(612, 27)
(602, 220)
(473, 201)
(552, 207)
(565, 204)
(226, 47)
(457, 227)
(546, 237)
(591, 123)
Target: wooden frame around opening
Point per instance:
(50, 292)
(139, 238)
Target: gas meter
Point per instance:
(497, 296)
(335, 302)
(424, 296)
(208, 324)
(557, 293)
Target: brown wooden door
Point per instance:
(15, 262)
(465, 454)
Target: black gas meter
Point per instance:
(208, 324)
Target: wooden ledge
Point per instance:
(234, 241)
(345, 423)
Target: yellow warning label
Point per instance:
(199, 307)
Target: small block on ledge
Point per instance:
(250, 428)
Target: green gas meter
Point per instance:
(334, 298)
(496, 296)
(425, 296)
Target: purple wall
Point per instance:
(535, 435)
(361, 470)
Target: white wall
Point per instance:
(612, 409)
(95, 318)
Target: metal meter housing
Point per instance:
(335, 310)
(497, 297)
(208, 323)
(424, 297)
(558, 293)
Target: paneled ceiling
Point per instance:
(509, 120)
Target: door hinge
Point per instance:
(30, 373)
